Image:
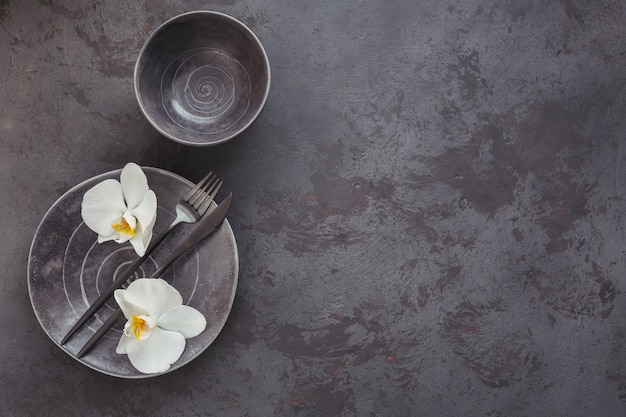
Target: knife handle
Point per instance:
(205, 226)
(100, 332)
(117, 283)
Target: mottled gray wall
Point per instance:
(429, 210)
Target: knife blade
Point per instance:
(204, 227)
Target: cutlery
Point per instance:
(205, 227)
(189, 209)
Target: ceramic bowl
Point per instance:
(202, 78)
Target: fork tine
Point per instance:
(209, 199)
(201, 193)
(197, 187)
(204, 195)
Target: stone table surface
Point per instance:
(429, 211)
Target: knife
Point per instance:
(204, 227)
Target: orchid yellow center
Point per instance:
(123, 227)
(137, 326)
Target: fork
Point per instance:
(191, 207)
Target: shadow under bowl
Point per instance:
(202, 78)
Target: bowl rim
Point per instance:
(242, 27)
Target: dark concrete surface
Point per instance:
(429, 211)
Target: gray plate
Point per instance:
(67, 270)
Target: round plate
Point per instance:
(68, 269)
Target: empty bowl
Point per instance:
(202, 78)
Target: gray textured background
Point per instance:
(429, 210)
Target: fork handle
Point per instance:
(106, 294)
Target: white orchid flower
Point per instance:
(158, 324)
(122, 210)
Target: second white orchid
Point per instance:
(157, 324)
(123, 211)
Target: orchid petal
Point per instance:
(134, 184)
(131, 220)
(145, 213)
(102, 239)
(101, 205)
(138, 244)
(129, 303)
(157, 352)
(154, 295)
(122, 345)
(183, 319)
